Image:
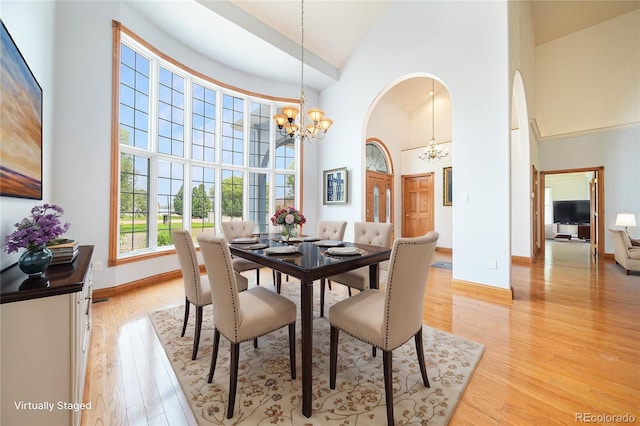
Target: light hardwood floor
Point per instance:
(568, 346)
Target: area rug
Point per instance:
(442, 265)
(267, 395)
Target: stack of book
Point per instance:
(64, 252)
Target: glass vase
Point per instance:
(289, 231)
(35, 261)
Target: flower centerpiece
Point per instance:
(33, 233)
(289, 218)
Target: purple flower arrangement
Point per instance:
(288, 216)
(36, 231)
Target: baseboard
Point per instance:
(105, 293)
(444, 250)
(482, 291)
(523, 260)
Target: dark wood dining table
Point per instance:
(310, 264)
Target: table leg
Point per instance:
(373, 276)
(306, 315)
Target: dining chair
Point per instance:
(236, 229)
(241, 316)
(375, 234)
(327, 230)
(387, 319)
(330, 230)
(196, 286)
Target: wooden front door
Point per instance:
(379, 197)
(417, 204)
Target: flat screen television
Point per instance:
(571, 211)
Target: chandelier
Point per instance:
(286, 121)
(433, 151)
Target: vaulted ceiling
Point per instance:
(270, 30)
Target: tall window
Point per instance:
(192, 153)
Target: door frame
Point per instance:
(600, 215)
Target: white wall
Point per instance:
(570, 186)
(584, 78)
(523, 153)
(31, 24)
(618, 151)
(588, 112)
(465, 45)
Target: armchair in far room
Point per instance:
(625, 254)
(626, 220)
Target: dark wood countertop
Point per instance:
(63, 279)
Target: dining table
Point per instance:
(309, 259)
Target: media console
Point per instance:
(573, 230)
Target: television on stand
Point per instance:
(571, 212)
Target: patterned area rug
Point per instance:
(442, 265)
(267, 395)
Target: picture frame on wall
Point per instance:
(21, 124)
(447, 186)
(335, 182)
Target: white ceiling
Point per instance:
(270, 30)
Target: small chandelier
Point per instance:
(433, 151)
(286, 121)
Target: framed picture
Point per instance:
(335, 186)
(447, 186)
(21, 125)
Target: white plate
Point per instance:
(244, 240)
(343, 251)
(281, 250)
(329, 243)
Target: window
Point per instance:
(193, 152)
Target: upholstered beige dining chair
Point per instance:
(387, 319)
(236, 229)
(331, 230)
(375, 234)
(196, 286)
(241, 316)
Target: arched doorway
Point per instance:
(379, 182)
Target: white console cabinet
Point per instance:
(568, 229)
(45, 343)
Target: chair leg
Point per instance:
(255, 343)
(278, 282)
(233, 378)
(187, 305)
(258, 276)
(329, 284)
(214, 354)
(322, 286)
(196, 337)
(333, 356)
(292, 349)
(420, 351)
(349, 291)
(388, 384)
(373, 351)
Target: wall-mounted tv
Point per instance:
(571, 211)
(21, 124)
